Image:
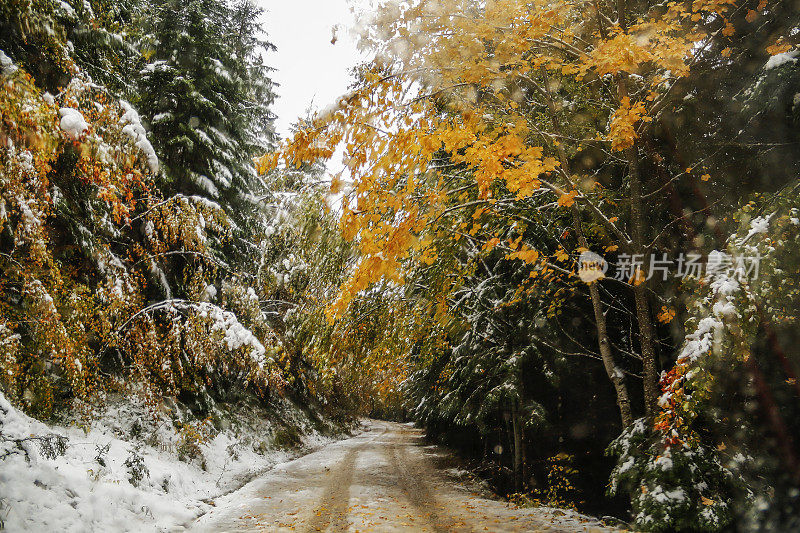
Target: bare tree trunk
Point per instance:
(517, 445)
(616, 376)
(649, 363)
(643, 318)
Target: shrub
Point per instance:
(137, 469)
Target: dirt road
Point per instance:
(383, 480)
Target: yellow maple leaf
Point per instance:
(526, 254)
(622, 131)
(491, 243)
(728, 30)
(567, 199)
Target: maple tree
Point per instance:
(494, 86)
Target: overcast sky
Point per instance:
(309, 67)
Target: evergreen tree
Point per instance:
(205, 93)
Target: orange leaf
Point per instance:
(567, 199)
(491, 243)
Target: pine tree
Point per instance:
(205, 93)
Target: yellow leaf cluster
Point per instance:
(622, 131)
(567, 199)
(449, 82)
(622, 53)
(527, 255)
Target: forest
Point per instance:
(562, 241)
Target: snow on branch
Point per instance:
(234, 334)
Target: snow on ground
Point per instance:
(383, 480)
(59, 478)
(6, 65)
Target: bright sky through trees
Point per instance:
(308, 67)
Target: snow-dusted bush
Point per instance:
(92, 240)
(672, 488)
(122, 470)
(696, 469)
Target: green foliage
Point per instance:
(112, 270)
(205, 93)
(676, 488)
(137, 469)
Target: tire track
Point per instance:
(332, 509)
(412, 475)
(334, 503)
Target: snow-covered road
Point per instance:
(382, 480)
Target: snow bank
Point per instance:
(55, 478)
(7, 67)
(73, 492)
(72, 122)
